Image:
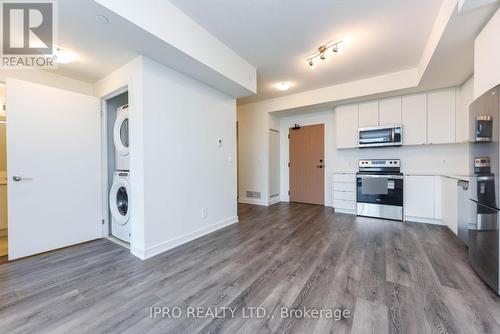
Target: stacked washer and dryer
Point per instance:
(119, 193)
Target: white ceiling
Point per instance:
(275, 36)
(101, 48)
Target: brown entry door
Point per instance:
(307, 176)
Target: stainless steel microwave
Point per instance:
(389, 135)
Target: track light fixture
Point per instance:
(334, 46)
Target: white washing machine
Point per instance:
(121, 139)
(118, 205)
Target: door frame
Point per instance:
(104, 157)
(304, 120)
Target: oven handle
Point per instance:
(393, 177)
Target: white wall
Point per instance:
(184, 169)
(487, 56)
(253, 146)
(432, 159)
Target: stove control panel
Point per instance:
(380, 163)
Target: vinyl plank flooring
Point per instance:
(369, 317)
(392, 277)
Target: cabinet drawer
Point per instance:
(344, 195)
(343, 204)
(343, 186)
(345, 178)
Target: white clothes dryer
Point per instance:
(121, 139)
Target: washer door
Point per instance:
(120, 132)
(118, 201)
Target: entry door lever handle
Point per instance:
(320, 166)
(18, 178)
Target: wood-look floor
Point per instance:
(393, 277)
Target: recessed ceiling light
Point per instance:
(62, 56)
(102, 19)
(282, 85)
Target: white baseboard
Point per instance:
(424, 220)
(252, 201)
(348, 212)
(172, 243)
(118, 241)
(274, 200)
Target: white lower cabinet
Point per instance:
(422, 198)
(431, 199)
(344, 193)
(418, 197)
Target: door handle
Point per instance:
(321, 166)
(18, 178)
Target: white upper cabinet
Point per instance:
(368, 114)
(414, 119)
(390, 111)
(465, 96)
(347, 126)
(437, 117)
(441, 116)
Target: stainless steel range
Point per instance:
(379, 189)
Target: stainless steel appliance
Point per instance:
(483, 232)
(482, 165)
(380, 136)
(484, 128)
(379, 189)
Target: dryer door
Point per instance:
(120, 132)
(118, 201)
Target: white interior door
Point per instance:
(54, 146)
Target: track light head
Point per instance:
(322, 56)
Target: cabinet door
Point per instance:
(441, 116)
(465, 96)
(438, 194)
(368, 114)
(414, 119)
(390, 111)
(347, 126)
(419, 196)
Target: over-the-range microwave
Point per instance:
(378, 136)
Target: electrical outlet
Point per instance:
(203, 213)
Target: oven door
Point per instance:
(379, 136)
(380, 196)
